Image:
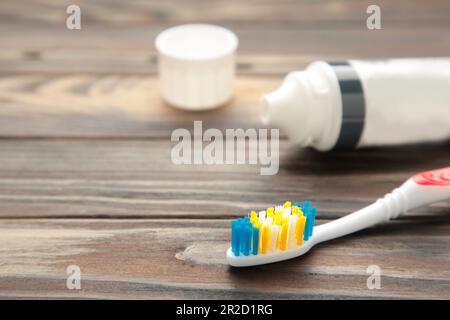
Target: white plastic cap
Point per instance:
(196, 65)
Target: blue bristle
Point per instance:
(307, 214)
(247, 240)
(306, 206)
(255, 241)
(235, 236)
(242, 235)
(250, 234)
(298, 204)
(313, 212)
(242, 242)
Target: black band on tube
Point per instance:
(353, 105)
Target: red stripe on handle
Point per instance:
(439, 177)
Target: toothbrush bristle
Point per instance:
(274, 229)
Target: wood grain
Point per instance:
(309, 14)
(112, 106)
(275, 36)
(185, 259)
(136, 178)
(263, 50)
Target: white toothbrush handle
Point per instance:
(424, 188)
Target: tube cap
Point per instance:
(196, 65)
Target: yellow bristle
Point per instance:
(275, 232)
(277, 220)
(299, 228)
(274, 236)
(283, 236)
(278, 237)
(287, 204)
(265, 245)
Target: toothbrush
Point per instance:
(285, 232)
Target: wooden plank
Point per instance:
(136, 178)
(262, 50)
(185, 259)
(305, 13)
(112, 106)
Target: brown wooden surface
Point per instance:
(86, 176)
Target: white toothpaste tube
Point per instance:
(360, 103)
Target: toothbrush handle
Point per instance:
(423, 188)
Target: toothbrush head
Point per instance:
(276, 234)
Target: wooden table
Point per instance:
(86, 177)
